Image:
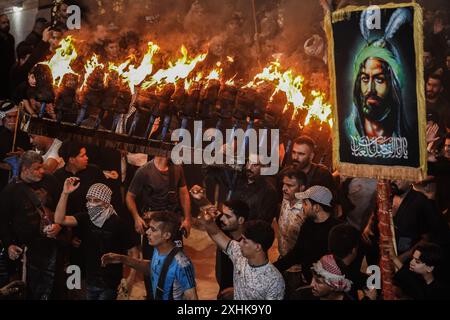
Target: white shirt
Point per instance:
(254, 283)
(53, 153)
(289, 224)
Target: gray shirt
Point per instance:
(151, 186)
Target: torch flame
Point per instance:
(60, 63)
(181, 69)
(135, 76)
(319, 110)
(90, 67)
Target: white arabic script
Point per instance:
(380, 147)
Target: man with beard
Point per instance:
(302, 156)
(435, 96)
(378, 114)
(312, 241)
(290, 222)
(257, 192)
(7, 55)
(415, 219)
(377, 100)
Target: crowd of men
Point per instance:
(101, 209)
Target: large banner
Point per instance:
(376, 67)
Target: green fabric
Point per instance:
(375, 51)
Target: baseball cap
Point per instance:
(319, 194)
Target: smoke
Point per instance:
(224, 28)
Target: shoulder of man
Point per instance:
(182, 260)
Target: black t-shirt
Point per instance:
(311, 245)
(114, 237)
(151, 186)
(77, 200)
(261, 198)
(319, 175)
(415, 217)
(415, 286)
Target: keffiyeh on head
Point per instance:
(99, 214)
(328, 269)
(101, 192)
(7, 107)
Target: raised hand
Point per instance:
(197, 192)
(70, 185)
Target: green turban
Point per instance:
(377, 51)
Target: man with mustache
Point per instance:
(302, 156)
(377, 99)
(436, 101)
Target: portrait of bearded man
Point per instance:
(377, 96)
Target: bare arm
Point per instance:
(137, 264)
(139, 223)
(191, 294)
(60, 213)
(131, 204)
(208, 220)
(185, 201)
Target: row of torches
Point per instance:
(273, 98)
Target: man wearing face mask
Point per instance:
(415, 219)
(104, 231)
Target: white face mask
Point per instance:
(99, 214)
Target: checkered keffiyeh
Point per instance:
(328, 269)
(7, 107)
(100, 191)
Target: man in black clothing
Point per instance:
(104, 231)
(77, 165)
(259, 194)
(312, 241)
(436, 99)
(415, 218)
(36, 34)
(7, 55)
(302, 156)
(21, 69)
(26, 221)
(420, 278)
(8, 115)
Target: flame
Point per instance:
(135, 76)
(319, 110)
(187, 84)
(230, 82)
(230, 59)
(90, 67)
(284, 81)
(181, 69)
(214, 74)
(60, 63)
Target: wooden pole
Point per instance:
(384, 203)
(258, 46)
